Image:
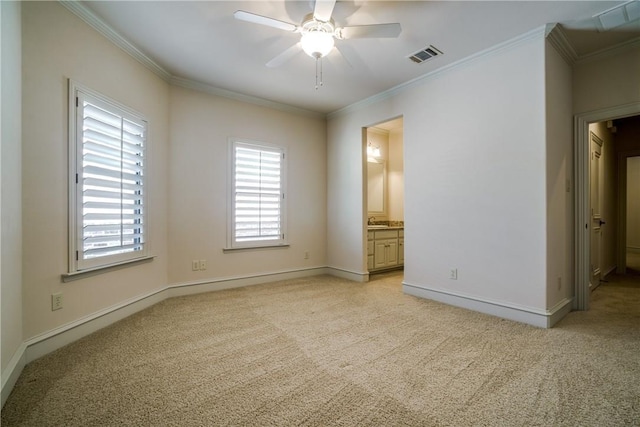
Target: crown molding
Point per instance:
(558, 39)
(119, 40)
(116, 38)
(553, 33)
(212, 90)
(609, 51)
(509, 44)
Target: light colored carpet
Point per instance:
(324, 351)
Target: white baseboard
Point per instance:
(558, 311)
(54, 339)
(355, 276)
(12, 372)
(522, 314)
(218, 284)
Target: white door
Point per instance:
(596, 209)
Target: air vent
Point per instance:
(425, 54)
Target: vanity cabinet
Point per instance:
(385, 249)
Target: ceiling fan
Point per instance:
(318, 32)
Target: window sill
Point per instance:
(77, 275)
(254, 248)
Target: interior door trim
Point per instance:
(581, 194)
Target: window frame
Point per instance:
(232, 244)
(77, 263)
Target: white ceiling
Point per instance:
(201, 41)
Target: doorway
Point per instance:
(588, 238)
(384, 195)
(632, 211)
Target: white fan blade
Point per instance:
(263, 20)
(285, 56)
(323, 10)
(370, 31)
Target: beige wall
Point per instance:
(11, 202)
(188, 159)
(56, 46)
(559, 170)
(607, 82)
(201, 125)
(474, 192)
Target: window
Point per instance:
(107, 188)
(258, 196)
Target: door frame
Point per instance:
(581, 195)
(596, 149)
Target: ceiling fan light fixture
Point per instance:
(317, 44)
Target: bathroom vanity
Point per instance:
(385, 248)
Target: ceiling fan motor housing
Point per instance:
(317, 36)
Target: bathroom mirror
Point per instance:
(376, 186)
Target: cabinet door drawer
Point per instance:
(392, 252)
(380, 254)
(386, 234)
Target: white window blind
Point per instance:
(109, 183)
(258, 195)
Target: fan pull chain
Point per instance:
(320, 61)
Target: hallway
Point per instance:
(633, 264)
(619, 294)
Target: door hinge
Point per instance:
(77, 255)
(76, 178)
(76, 101)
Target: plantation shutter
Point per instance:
(110, 181)
(258, 195)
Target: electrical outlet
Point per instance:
(203, 264)
(453, 275)
(56, 302)
(195, 265)
(306, 254)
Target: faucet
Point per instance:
(370, 220)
